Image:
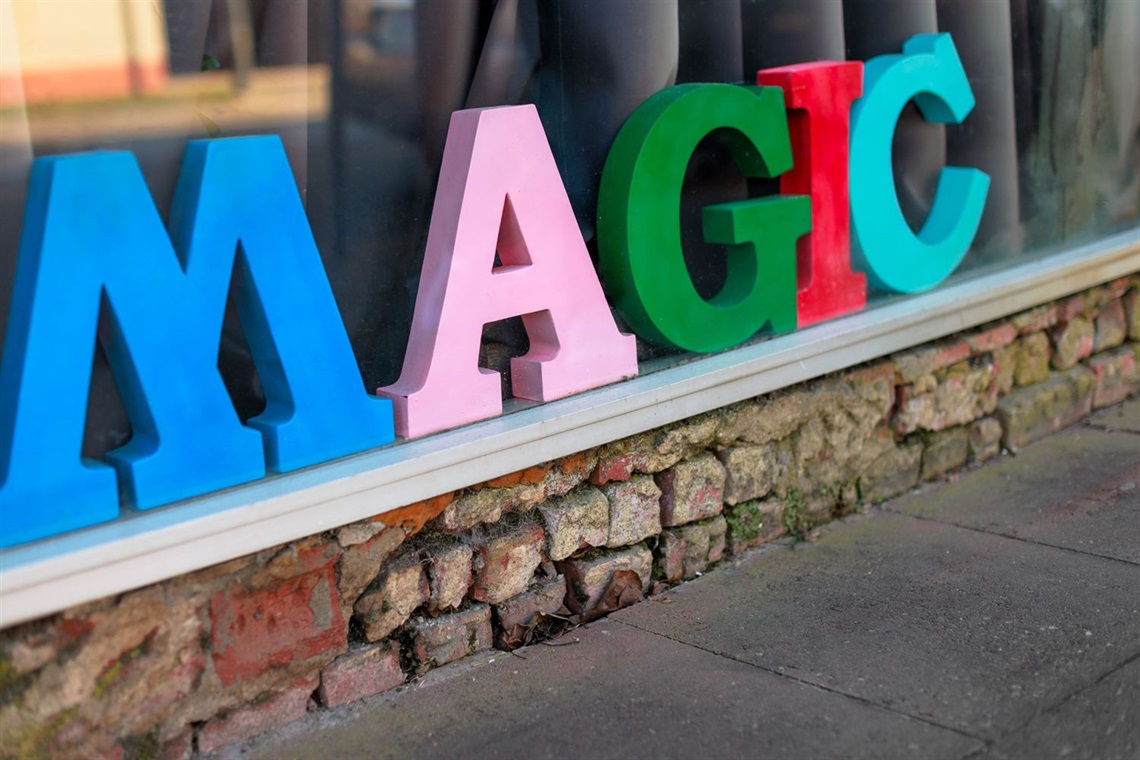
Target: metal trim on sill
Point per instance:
(145, 548)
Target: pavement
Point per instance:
(992, 615)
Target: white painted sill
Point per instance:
(143, 548)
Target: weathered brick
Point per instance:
(547, 596)
(1036, 319)
(1117, 376)
(254, 631)
(670, 555)
(1033, 355)
(685, 551)
(945, 450)
(401, 588)
(438, 641)
(750, 472)
(274, 711)
(751, 523)
(488, 505)
(985, 439)
(360, 673)
(180, 747)
(927, 360)
(504, 564)
(1031, 413)
(360, 564)
(1111, 326)
(959, 395)
(619, 467)
(568, 473)
(1005, 366)
(1072, 342)
(577, 520)
(1131, 301)
(634, 510)
(691, 490)
(1074, 306)
(893, 472)
(449, 575)
(588, 576)
(992, 337)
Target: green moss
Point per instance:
(796, 521)
(745, 523)
(35, 739)
(145, 747)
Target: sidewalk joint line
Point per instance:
(951, 523)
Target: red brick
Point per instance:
(619, 468)
(993, 337)
(361, 673)
(1117, 376)
(288, 620)
(1072, 342)
(275, 711)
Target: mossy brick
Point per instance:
(691, 490)
(448, 567)
(1034, 352)
(577, 520)
(1031, 413)
(634, 510)
(272, 711)
(893, 472)
(447, 638)
(401, 588)
(361, 672)
(505, 562)
(752, 523)
(943, 451)
(985, 439)
(1072, 342)
(1035, 319)
(1117, 375)
(1111, 327)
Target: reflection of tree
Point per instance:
(1080, 163)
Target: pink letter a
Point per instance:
(499, 190)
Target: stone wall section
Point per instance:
(200, 662)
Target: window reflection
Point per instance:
(361, 91)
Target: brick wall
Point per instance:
(210, 659)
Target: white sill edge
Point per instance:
(59, 573)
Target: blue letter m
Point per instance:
(93, 240)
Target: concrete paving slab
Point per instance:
(959, 627)
(1124, 416)
(617, 693)
(1079, 489)
(1099, 723)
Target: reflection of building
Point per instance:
(106, 49)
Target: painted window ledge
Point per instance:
(144, 548)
